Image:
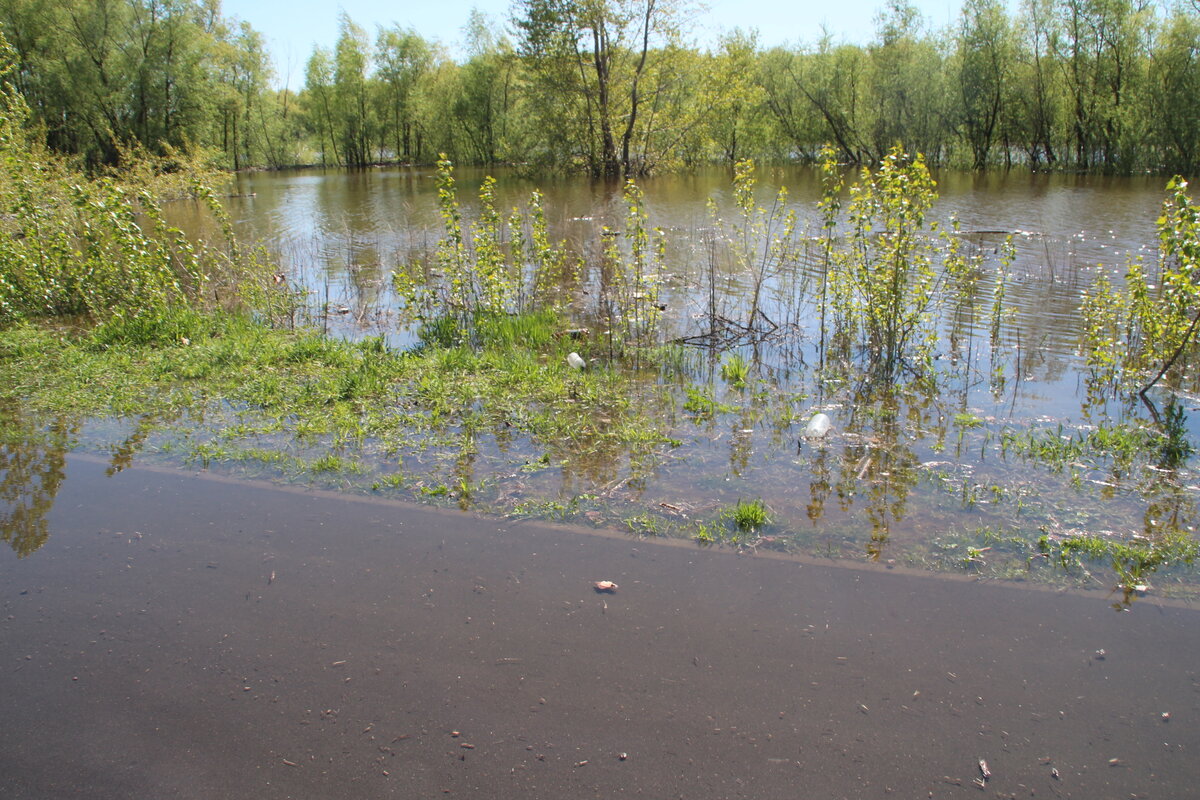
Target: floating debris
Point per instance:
(605, 587)
(818, 426)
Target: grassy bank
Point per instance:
(235, 379)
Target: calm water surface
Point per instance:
(349, 230)
(922, 478)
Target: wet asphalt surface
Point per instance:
(185, 637)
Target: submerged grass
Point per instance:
(307, 395)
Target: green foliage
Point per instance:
(735, 370)
(403, 62)
(999, 290)
(610, 88)
(105, 77)
(883, 287)
(1116, 446)
(1130, 332)
(482, 271)
(701, 403)
(1174, 448)
(592, 97)
(99, 247)
(1104, 311)
(967, 420)
(748, 516)
(755, 248)
(634, 260)
(829, 206)
(1133, 560)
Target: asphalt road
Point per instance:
(185, 637)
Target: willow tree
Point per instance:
(1174, 86)
(318, 103)
(242, 74)
(483, 95)
(1102, 49)
(103, 75)
(907, 91)
(354, 112)
(984, 68)
(820, 96)
(592, 59)
(403, 59)
(1034, 109)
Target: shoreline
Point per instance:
(719, 549)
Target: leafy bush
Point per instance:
(99, 247)
(483, 270)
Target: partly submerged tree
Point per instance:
(403, 59)
(592, 60)
(984, 69)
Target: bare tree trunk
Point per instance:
(633, 92)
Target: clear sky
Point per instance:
(293, 27)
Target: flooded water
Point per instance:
(342, 233)
(948, 476)
(931, 475)
(170, 634)
(919, 479)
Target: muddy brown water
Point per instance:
(180, 636)
(340, 233)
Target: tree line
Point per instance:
(613, 88)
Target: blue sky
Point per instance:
(292, 28)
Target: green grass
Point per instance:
(1132, 560)
(237, 391)
(748, 516)
(735, 370)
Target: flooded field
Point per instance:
(984, 468)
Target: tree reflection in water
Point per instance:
(32, 468)
(33, 459)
